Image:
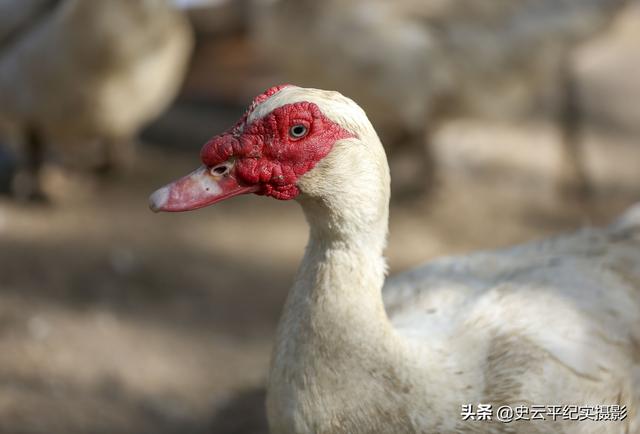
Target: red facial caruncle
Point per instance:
(266, 156)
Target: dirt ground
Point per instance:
(116, 320)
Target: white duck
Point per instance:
(550, 322)
(79, 72)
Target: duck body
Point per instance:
(83, 77)
(553, 322)
(92, 69)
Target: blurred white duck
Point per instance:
(413, 64)
(75, 72)
(550, 322)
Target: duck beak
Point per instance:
(198, 189)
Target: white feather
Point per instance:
(555, 321)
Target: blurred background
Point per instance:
(504, 122)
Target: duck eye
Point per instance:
(297, 131)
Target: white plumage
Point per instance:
(75, 71)
(552, 322)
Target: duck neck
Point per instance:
(335, 306)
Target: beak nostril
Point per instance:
(220, 170)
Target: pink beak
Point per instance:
(198, 189)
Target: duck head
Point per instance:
(291, 143)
